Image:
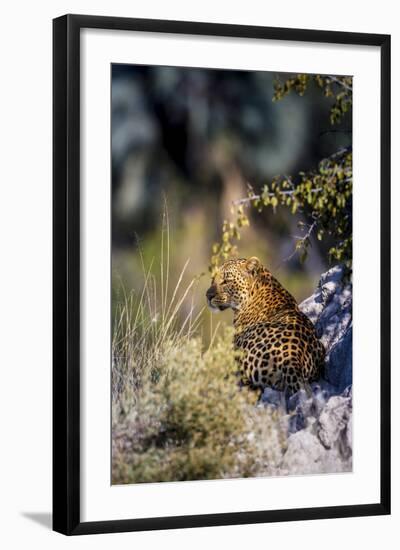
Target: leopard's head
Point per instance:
(231, 284)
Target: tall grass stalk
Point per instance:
(145, 321)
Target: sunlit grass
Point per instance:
(145, 320)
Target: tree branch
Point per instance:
(340, 83)
(302, 240)
(251, 198)
(254, 197)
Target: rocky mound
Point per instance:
(320, 423)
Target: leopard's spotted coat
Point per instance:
(280, 347)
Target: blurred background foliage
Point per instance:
(193, 141)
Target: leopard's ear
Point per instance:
(253, 265)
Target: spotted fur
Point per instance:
(279, 344)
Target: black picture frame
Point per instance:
(66, 273)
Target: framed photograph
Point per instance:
(221, 274)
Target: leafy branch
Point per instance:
(322, 196)
(303, 242)
(339, 88)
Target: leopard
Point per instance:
(277, 343)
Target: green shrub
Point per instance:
(193, 422)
